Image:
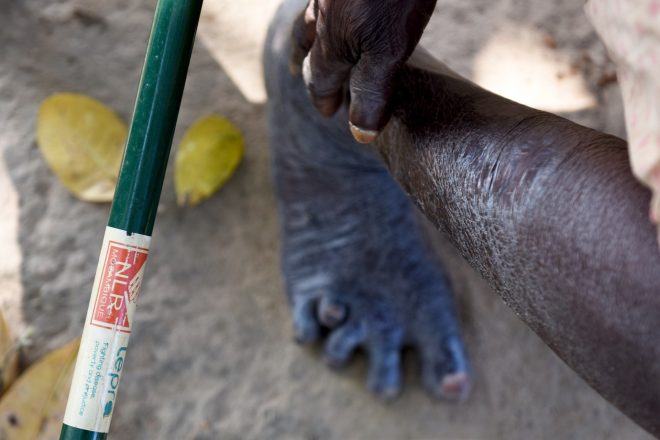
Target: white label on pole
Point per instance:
(108, 324)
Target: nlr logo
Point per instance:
(119, 284)
(113, 381)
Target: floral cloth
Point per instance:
(631, 31)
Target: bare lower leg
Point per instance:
(355, 264)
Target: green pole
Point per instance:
(127, 237)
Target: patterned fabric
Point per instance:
(631, 31)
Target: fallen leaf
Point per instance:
(8, 356)
(82, 140)
(206, 158)
(34, 405)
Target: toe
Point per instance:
(385, 370)
(342, 342)
(446, 373)
(305, 326)
(330, 312)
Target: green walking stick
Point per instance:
(125, 248)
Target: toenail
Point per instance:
(332, 362)
(363, 135)
(304, 336)
(389, 393)
(455, 386)
(331, 314)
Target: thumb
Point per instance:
(371, 88)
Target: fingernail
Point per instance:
(363, 136)
(294, 68)
(328, 105)
(307, 70)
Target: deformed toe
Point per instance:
(331, 313)
(385, 372)
(446, 373)
(342, 342)
(305, 326)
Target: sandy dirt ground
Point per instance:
(211, 354)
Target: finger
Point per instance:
(371, 88)
(325, 73)
(303, 35)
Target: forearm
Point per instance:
(549, 213)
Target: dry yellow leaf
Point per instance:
(8, 356)
(206, 158)
(34, 406)
(82, 141)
